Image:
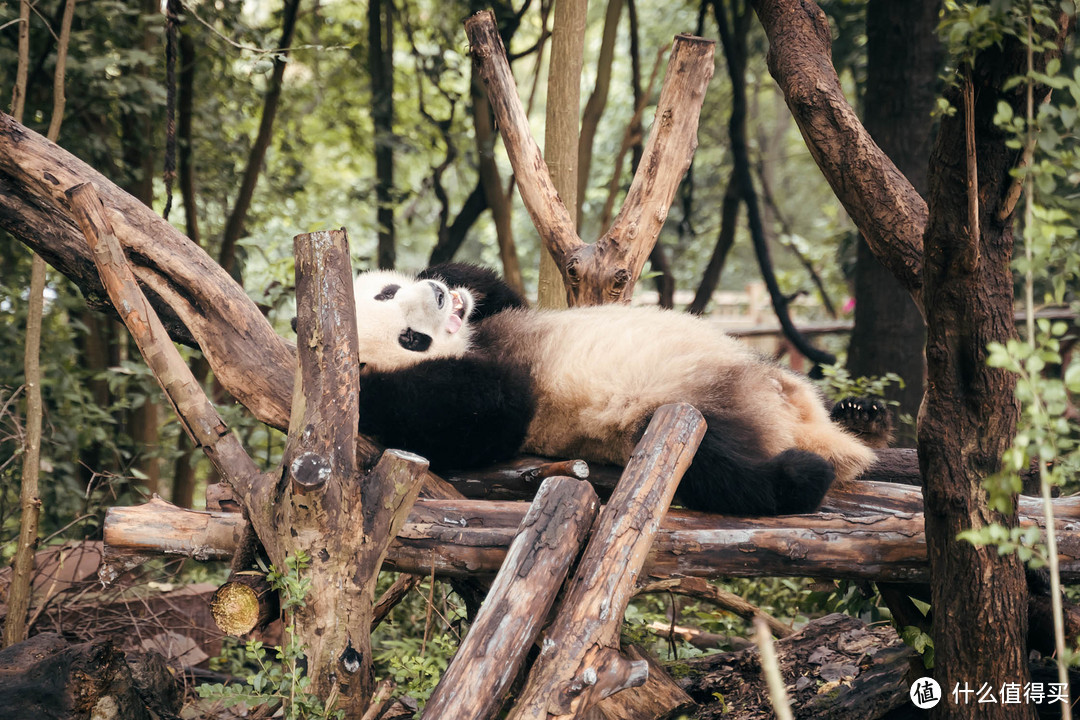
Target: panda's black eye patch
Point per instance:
(412, 340)
(388, 292)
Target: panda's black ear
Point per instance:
(413, 340)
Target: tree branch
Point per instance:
(234, 226)
(885, 207)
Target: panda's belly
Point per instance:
(600, 373)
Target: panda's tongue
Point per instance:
(457, 313)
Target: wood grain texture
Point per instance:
(873, 531)
(492, 654)
(579, 662)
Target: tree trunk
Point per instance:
(964, 286)
(561, 131)
(904, 56)
(970, 411)
(607, 270)
(381, 69)
(234, 226)
(497, 199)
(594, 108)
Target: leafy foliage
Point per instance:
(280, 681)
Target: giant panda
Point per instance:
(455, 367)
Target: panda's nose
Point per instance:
(440, 293)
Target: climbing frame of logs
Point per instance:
(320, 503)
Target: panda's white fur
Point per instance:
(599, 371)
(583, 383)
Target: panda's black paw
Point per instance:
(868, 418)
(800, 480)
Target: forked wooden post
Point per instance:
(580, 663)
(316, 511)
(604, 271)
(491, 655)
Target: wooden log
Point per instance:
(47, 679)
(462, 538)
(325, 407)
(519, 478)
(394, 594)
(197, 415)
(198, 302)
(343, 520)
(244, 603)
(198, 299)
(837, 667)
(518, 603)
(579, 664)
(607, 270)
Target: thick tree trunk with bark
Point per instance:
(964, 288)
(970, 410)
(904, 57)
(319, 503)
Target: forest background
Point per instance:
(373, 124)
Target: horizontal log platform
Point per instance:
(518, 479)
(870, 531)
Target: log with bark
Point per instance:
(874, 532)
(47, 679)
(605, 271)
(494, 651)
(580, 664)
(319, 504)
(835, 668)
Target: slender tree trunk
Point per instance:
(381, 68)
(234, 226)
(733, 37)
(498, 200)
(729, 218)
(19, 590)
(903, 59)
(561, 131)
(183, 479)
(594, 108)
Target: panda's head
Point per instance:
(402, 321)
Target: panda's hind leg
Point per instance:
(731, 474)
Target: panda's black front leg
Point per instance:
(457, 412)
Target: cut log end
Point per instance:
(243, 604)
